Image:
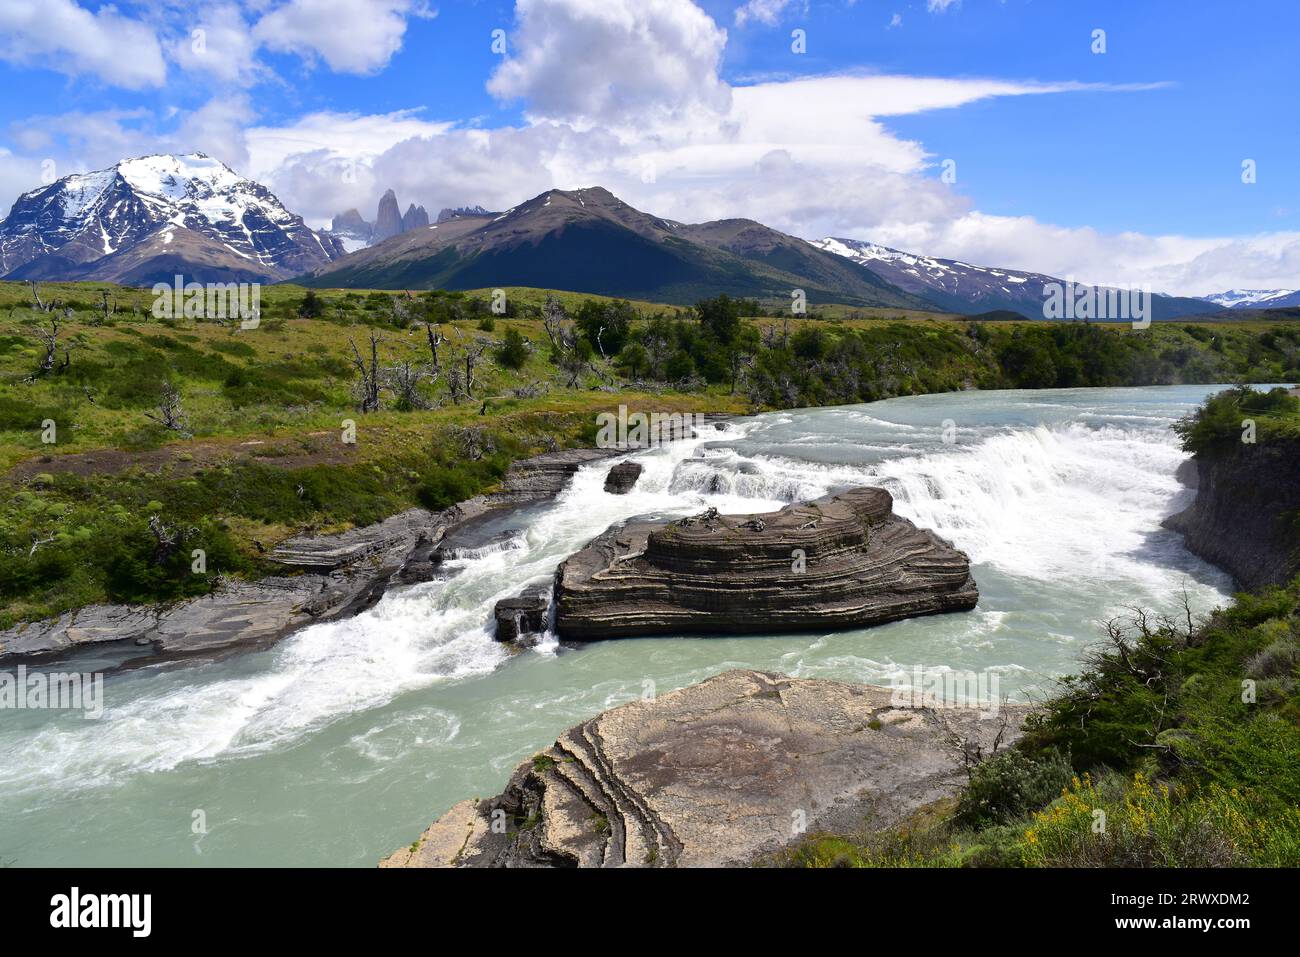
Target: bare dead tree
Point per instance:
(38, 542)
(473, 355)
(170, 414)
(475, 442)
(454, 385)
(404, 379)
(49, 338)
(369, 384)
(572, 365)
(106, 310)
(741, 362)
(165, 539)
(435, 339)
(402, 310)
(36, 294)
(554, 322)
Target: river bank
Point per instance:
(338, 576)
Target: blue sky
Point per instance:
(1115, 166)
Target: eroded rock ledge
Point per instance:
(715, 774)
(841, 561)
(336, 576)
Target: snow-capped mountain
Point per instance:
(1256, 298)
(148, 219)
(964, 288)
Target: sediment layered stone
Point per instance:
(720, 773)
(838, 562)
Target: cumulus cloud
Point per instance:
(352, 36)
(62, 36)
(80, 141)
(608, 61)
(219, 45)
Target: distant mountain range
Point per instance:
(588, 240)
(960, 287)
(145, 220)
(1256, 298)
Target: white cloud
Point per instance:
(63, 36)
(219, 44)
(1182, 265)
(81, 141)
(356, 137)
(764, 11)
(352, 36)
(940, 6)
(613, 61)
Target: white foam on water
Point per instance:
(412, 638)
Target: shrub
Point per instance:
(1012, 784)
(1141, 824)
(513, 351)
(312, 305)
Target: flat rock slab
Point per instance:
(841, 561)
(716, 774)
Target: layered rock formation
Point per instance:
(841, 561)
(523, 618)
(716, 774)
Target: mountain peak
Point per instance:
(965, 288)
(147, 217)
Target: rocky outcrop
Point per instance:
(415, 217)
(523, 618)
(337, 576)
(447, 214)
(717, 774)
(838, 562)
(1246, 516)
(622, 477)
(544, 476)
(341, 576)
(388, 219)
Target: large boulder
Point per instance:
(622, 477)
(523, 617)
(841, 561)
(717, 774)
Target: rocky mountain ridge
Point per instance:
(148, 219)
